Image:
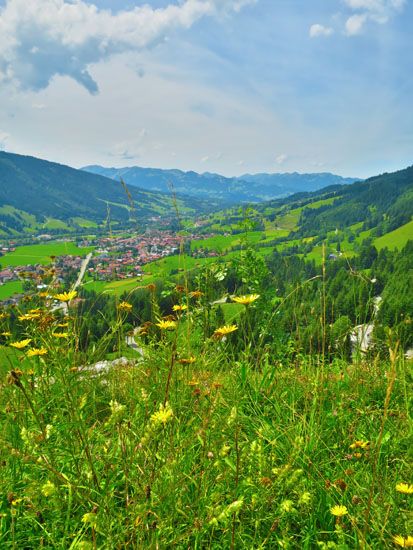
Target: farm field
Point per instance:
(41, 253)
(8, 289)
(397, 238)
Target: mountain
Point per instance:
(247, 188)
(37, 194)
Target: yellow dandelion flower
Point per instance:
(125, 306)
(359, 444)
(21, 344)
(60, 334)
(63, 325)
(3, 315)
(29, 316)
(6, 333)
(178, 307)
(36, 352)
(66, 296)
(224, 331)
(166, 324)
(404, 488)
(245, 300)
(162, 416)
(37, 310)
(339, 510)
(403, 542)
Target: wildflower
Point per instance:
(125, 306)
(6, 333)
(60, 334)
(187, 361)
(178, 307)
(166, 325)
(305, 498)
(151, 287)
(66, 296)
(34, 352)
(359, 444)
(43, 294)
(180, 288)
(287, 506)
(224, 331)
(245, 300)
(403, 542)
(29, 316)
(404, 488)
(48, 489)
(162, 416)
(3, 315)
(63, 325)
(21, 344)
(339, 510)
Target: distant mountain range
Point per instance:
(246, 188)
(40, 195)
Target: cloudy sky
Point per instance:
(228, 86)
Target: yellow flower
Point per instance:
(90, 518)
(29, 316)
(63, 325)
(22, 344)
(162, 416)
(339, 510)
(245, 300)
(404, 488)
(223, 331)
(43, 294)
(166, 325)
(359, 444)
(3, 315)
(37, 352)
(403, 542)
(6, 333)
(66, 296)
(182, 307)
(125, 306)
(60, 334)
(48, 489)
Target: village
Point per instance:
(113, 258)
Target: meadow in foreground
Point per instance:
(206, 438)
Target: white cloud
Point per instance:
(378, 11)
(205, 159)
(320, 30)
(354, 24)
(40, 39)
(280, 159)
(3, 139)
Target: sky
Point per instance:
(226, 86)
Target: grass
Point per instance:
(239, 449)
(395, 239)
(41, 253)
(7, 290)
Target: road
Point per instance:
(82, 271)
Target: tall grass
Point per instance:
(204, 442)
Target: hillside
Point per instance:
(248, 188)
(36, 194)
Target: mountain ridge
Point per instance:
(232, 190)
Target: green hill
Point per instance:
(37, 194)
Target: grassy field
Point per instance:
(41, 253)
(8, 289)
(397, 238)
(205, 443)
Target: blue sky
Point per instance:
(229, 86)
